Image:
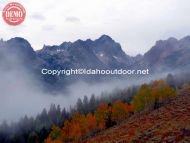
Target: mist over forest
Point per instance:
(22, 85)
(31, 102)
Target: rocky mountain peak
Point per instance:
(104, 38)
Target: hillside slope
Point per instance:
(168, 124)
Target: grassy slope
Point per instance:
(168, 124)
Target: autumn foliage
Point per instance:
(82, 126)
(101, 115)
(169, 124)
(119, 111)
(152, 95)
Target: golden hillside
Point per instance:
(168, 124)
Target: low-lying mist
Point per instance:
(21, 94)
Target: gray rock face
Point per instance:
(102, 53)
(169, 54)
(16, 51)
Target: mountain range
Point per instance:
(102, 53)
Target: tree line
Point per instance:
(36, 129)
(81, 126)
(99, 112)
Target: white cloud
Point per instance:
(72, 19)
(136, 24)
(38, 16)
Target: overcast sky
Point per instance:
(135, 24)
